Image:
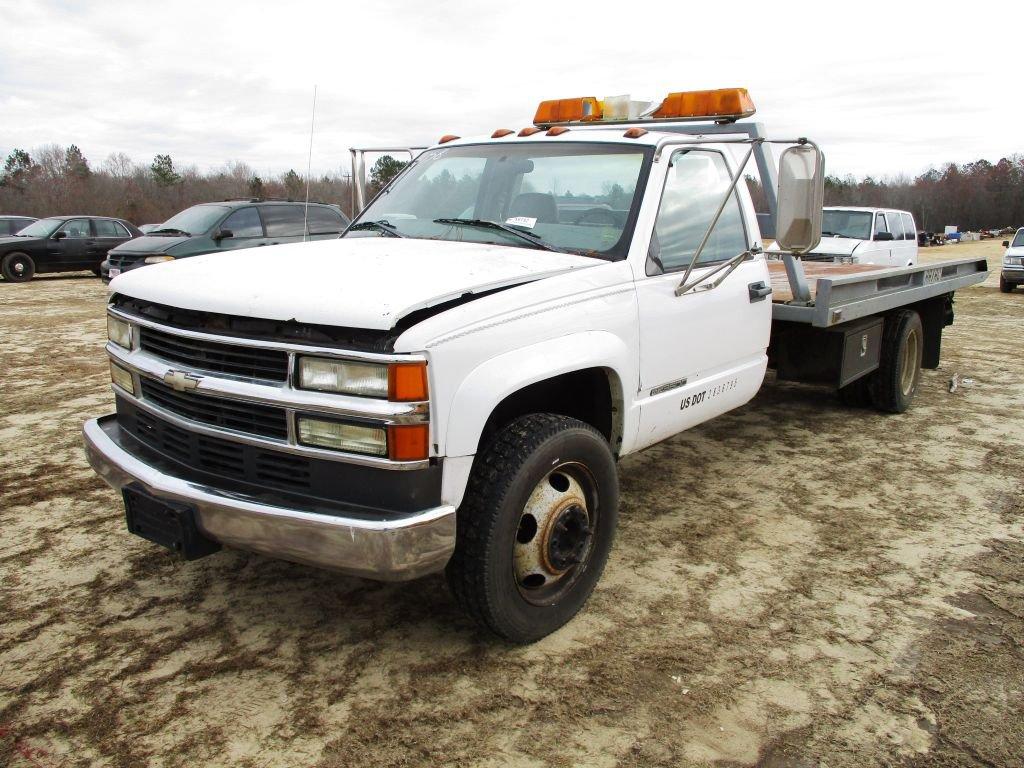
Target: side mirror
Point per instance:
(801, 195)
(60, 235)
(1006, 243)
(221, 234)
(880, 236)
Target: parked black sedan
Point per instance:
(62, 244)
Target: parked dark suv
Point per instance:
(61, 244)
(226, 226)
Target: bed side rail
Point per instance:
(849, 297)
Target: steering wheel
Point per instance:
(598, 216)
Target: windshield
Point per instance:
(194, 220)
(41, 228)
(562, 196)
(853, 224)
(1018, 239)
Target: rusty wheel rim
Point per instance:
(554, 536)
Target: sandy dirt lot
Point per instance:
(794, 584)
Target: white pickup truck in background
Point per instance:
(450, 384)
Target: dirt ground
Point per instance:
(793, 584)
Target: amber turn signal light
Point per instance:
(408, 442)
(407, 382)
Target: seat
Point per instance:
(535, 205)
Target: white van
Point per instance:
(851, 234)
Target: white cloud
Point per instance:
(884, 89)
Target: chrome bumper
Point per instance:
(388, 550)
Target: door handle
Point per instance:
(759, 291)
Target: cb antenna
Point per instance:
(309, 165)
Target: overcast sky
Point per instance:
(883, 89)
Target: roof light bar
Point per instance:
(723, 104)
(583, 109)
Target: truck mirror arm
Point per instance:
(683, 287)
(728, 266)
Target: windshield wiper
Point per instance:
(170, 230)
(535, 240)
(382, 225)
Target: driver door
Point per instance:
(69, 250)
(704, 352)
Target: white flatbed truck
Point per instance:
(450, 384)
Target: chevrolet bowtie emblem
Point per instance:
(179, 381)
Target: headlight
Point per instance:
(339, 436)
(1013, 261)
(157, 259)
(398, 382)
(122, 377)
(398, 442)
(119, 332)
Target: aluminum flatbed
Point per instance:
(843, 292)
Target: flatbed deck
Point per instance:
(843, 292)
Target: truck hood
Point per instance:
(838, 246)
(354, 282)
(149, 244)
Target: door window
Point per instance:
(324, 221)
(76, 229)
(697, 181)
(880, 223)
(283, 220)
(244, 223)
(909, 230)
(108, 228)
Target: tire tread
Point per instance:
(494, 471)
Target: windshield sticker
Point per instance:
(522, 221)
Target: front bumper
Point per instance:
(388, 549)
(122, 264)
(1013, 275)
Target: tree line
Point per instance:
(53, 180)
(972, 196)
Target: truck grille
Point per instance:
(233, 359)
(317, 483)
(123, 260)
(222, 457)
(241, 416)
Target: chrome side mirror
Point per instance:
(801, 196)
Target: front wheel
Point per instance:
(535, 527)
(1005, 287)
(18, 267)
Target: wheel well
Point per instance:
(592, 395)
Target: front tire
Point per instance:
(1006, 287)
(895, 382)
(535, 527)
(18, 267)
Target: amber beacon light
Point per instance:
(725, 103)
